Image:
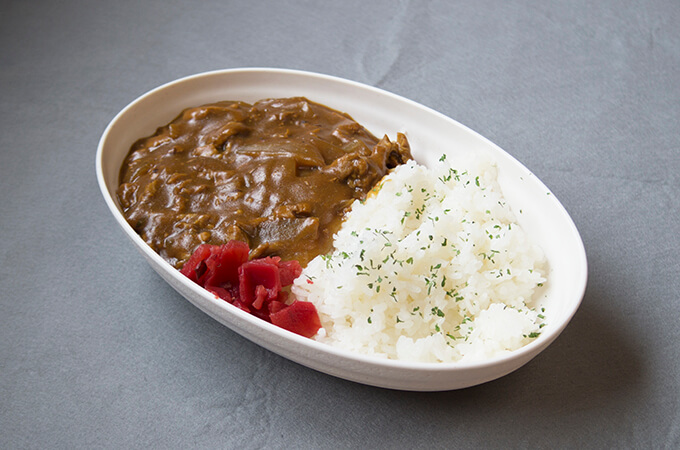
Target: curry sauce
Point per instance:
(278, 174)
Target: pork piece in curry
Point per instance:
(278, 174)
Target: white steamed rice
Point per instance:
(432, 268)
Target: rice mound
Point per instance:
(432, 267)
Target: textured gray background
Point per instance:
(97, 351)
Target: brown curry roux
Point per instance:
(278, 174)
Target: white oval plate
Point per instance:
(430, 134)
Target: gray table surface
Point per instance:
(97, 351)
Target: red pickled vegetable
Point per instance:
(276, 306)
(299, 317)
(289, 271)
(253, 286)
(224, 262)
(221, 293)
(260, 296)
(195, 266)
(259, 272)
